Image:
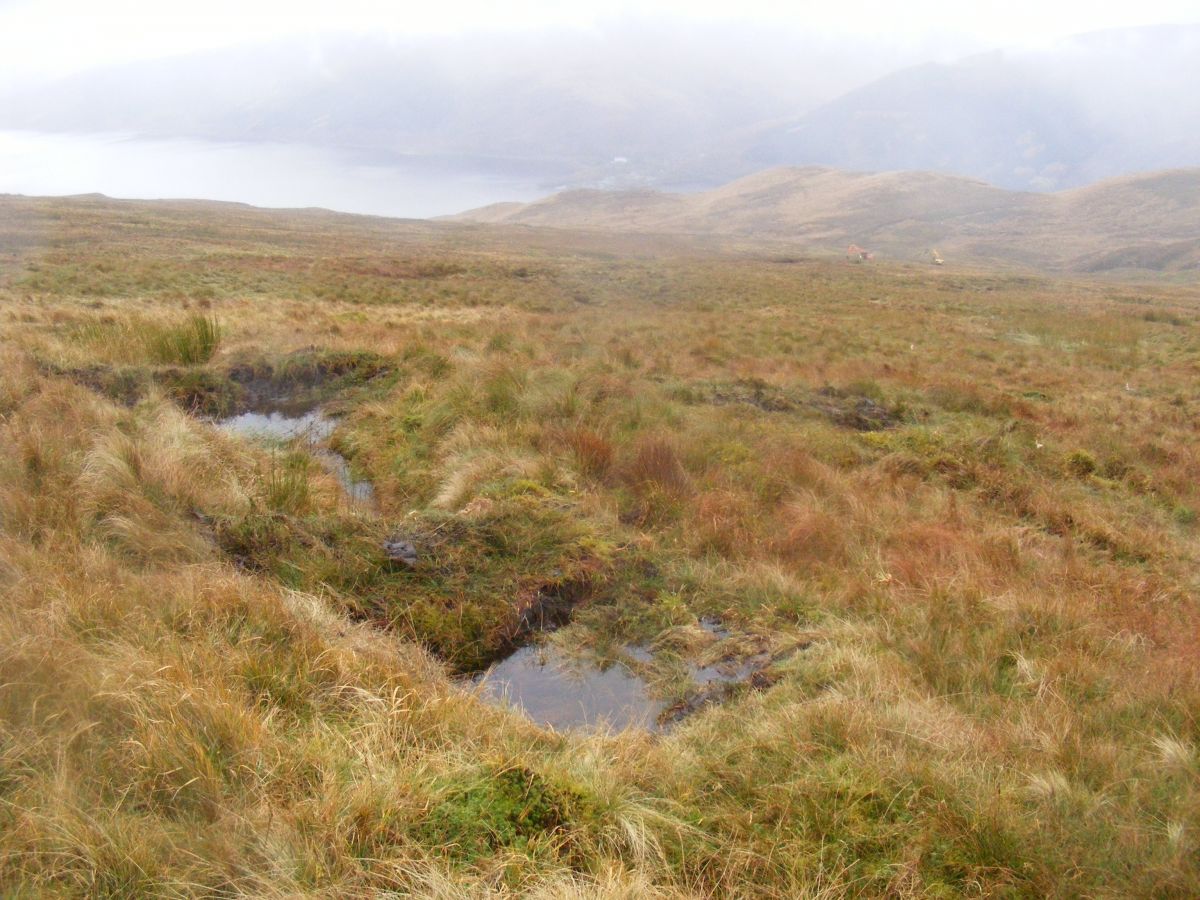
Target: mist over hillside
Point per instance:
(665, 106)
(1088, 108)
(623, 105)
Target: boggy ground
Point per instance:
(957, 510)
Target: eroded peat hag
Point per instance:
(951, 633)
(301, 380)
(859, 407)
(550, 688)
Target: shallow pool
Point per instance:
(563, 693)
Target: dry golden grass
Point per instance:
(986, 665)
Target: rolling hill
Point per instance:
(880, 580)
(1136, 222)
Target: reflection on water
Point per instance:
(728, 671)
(262, 174)
(561, 693)
(360, 492)
(311, 427)
(564, 692)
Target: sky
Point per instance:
(48, 38)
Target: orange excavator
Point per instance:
(856, 253)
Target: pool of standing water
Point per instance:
(558, 692)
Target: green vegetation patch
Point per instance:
(308, 376)
(497, 809)
(485, 581)
(482, 583)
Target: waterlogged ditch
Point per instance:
(306, 424)
(289, 404)
(551, 687)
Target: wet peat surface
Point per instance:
(551, 688)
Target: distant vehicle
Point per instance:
(856, 253)
(936, 258)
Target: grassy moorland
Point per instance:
(959, 511)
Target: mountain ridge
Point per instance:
(1091, 107)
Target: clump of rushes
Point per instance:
(592, 451)
(187, 343)
(1081, 464)
(285, 483)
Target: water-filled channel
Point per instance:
(313, 428)
(549, 687)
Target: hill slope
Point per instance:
(1147, 221)
(947, 524)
